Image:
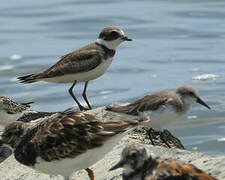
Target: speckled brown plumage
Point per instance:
(12, 107)
(168, 169)
(61, 136)
(138, 164)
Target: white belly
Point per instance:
(66, 166)
(82, 76)
(6, 118)
(161, 117)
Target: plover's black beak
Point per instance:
(125, 38)
(118, 165)
(202, 102)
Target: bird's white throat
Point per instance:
(110, 44)
(187, 103)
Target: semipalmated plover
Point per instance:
(84, 64)
(11, 111)
(138, 164)
(65, 142)
(163, 107)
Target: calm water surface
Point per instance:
(174, 41)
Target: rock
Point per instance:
(148, 135)
(10, 169)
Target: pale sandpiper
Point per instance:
(163, 108)
(138, 164)
(65, 142)
(84, 64)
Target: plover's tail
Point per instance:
(31, 78)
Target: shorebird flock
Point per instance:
(64, 142)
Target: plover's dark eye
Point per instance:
(114, 34)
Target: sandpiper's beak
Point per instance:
(125, 38)
(118, 165)
(202, 102)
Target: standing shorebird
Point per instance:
(84, 64)
(65, 142)
(164, 107)
(139, 165)
(11, 111)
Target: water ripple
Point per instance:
(84, 24)
(199, 14)
(175, 33)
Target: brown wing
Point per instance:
(169, 169)
(69, 135)
(66, 136)
(13, 107)
(75, 62)
(196, 173)
(149, 102)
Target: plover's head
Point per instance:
(13, 133)
(133, 158)
(111, 37)
(189, 95)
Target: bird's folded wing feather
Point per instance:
(69, 135)
(174, 170)
(75, 62)
(147, 103)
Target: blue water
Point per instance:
(173, 41)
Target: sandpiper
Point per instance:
(11, 111)
(138, 164)
(84, 64)
(65, 142)
(163, 107)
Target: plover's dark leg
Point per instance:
(84, 94)
(75, 99)
(90, 174)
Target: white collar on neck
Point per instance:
(109, 44)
